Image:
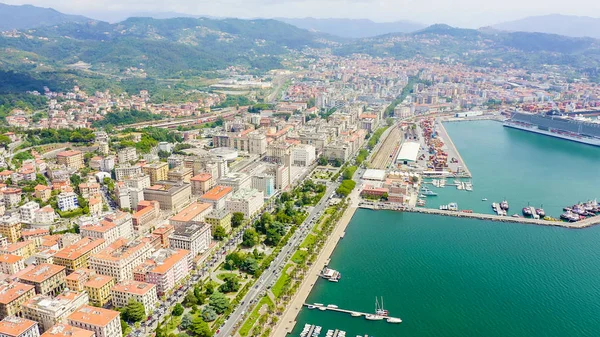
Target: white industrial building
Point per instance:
(408, 153)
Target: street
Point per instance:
(271, 274)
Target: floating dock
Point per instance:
(350, 312)
(591, 221)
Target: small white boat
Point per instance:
(332, 306)
(355, 314)
(372, 317)
(322, 308)
(394, 320)
(484, 199)
(311, 306)
(319, 304)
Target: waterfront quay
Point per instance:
(595, 220)
(345, 311)
(452, 151)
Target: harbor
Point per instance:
(453, 254)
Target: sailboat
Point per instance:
(377, 316)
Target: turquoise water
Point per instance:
(460, 277)
(522, 167)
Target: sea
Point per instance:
(446, 276)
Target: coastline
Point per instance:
(288, 320)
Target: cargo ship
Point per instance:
(580, 130)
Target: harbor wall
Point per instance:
(592, 221)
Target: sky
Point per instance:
(461, 13)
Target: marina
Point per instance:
(428, 255)
(310, 330)
(423, 244)
(380, 314)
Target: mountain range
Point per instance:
(354, 28)
(27, 16)
(567, 25)
(137, 51)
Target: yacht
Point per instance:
(372, 317)
(394, 320)
(430, 193)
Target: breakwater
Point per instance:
(591, 221)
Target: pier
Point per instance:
(591, 221)
(350, 312)
(451, 148)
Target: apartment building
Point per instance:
(124, 172)
(172, 196)
(235, 180)
(147, 211)
(194, 236)
(77, 255)
(103, 230)
(201, 183)
(11, 264)
(18, 327)
(165, 268)
(128, 197)
(156, 171)
(43, 192)
(48, 311)
(303, 155)
(180, 173)
(48, 279)
(120, 259)
(25, 249)
(127, 155)
(141, 292)
(12, 196)
(247, 201)
(65, 330)
(12, 296)
(88, 190)
(196, 211)
(78, 278)
(45, 216)
(139, 181)
(257, 143)
(163, 232)
(98, 288)
(264, 183)
(67, 201)
(219, 217)
(72, 159)
(217, 196)
(10, 228)
(124, 223)
(103, 322)
(27, 212)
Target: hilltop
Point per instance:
(27, 16)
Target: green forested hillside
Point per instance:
(163, 48)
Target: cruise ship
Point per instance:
(580, 130)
